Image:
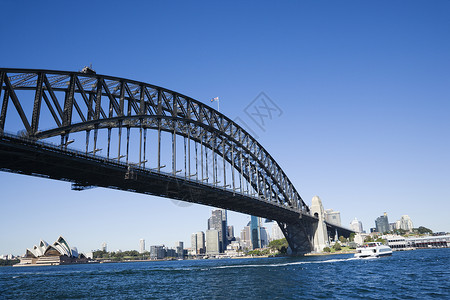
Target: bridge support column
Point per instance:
(299, 236)
(320, 231)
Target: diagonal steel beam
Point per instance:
(16, 103)
(37, 103)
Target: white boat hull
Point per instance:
(373, 250)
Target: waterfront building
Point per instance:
(157, 252)
(396, 242)
(233, 249)
(212, 242)
(169, 252)
(382, 223)
(356, 226)
(141, 246)
(406, 223)
(440, 241)
(333, 217)
(104, 247)
(58, 253)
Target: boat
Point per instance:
(373, 249)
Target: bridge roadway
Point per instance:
(36, 158)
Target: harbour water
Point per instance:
(419, 274)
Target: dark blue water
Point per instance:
(419, 274)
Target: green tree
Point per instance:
(280, 245)
(423, 230)
(380, 240)
(352, 237)
(342, 239)
(326, 249)
(368, 239)
(337, 246)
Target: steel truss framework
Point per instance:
(101, 106)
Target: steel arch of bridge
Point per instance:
(86, 102)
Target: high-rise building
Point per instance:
(157, 252)
(356, 226)
(333, 217)
(212, 242)
(141, 246)
(246, 240)
(169, 252)
(230, 234)
(194, 243)
(104, 247)
(201, 248)
(406, 223)
(218, 221)
(180, 250)
(264, 235)
(382, 223)
(277, 234)
(198, 243)
(255, 231)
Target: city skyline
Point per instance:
(361, 91)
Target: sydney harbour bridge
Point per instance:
(101, 131)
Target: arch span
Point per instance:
(127, 121)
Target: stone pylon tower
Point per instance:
(321, 235)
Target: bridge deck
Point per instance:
(25, 156)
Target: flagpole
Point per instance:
(216, 99)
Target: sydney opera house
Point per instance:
(58, 253)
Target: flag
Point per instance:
(215, 99)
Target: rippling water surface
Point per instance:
(419, 274)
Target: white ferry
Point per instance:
(373, 249)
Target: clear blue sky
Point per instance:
(364, 87)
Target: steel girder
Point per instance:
(92, 102)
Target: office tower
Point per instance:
(246, 240)
(230, 233)
(218, 221)
(198, 242)
(277, 234)
(104, 247)
(255, 231)
(382, 223)
(356, 226)
(194, 243)
(406, 223)
(169, 252)
(264, 235)
(157, 252)
(333, 217)
(201, 249)
(180, 250)
(141, 246)
(212, 242)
